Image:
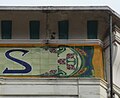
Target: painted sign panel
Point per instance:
(62, 61)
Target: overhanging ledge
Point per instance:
(39, 42)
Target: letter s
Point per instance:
(26, 65)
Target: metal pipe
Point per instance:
(111, 65)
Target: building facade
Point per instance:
(58, 52)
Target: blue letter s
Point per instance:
(26, 65)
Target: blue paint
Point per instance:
(27, 66)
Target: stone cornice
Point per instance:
(115, 38)
(66, 42)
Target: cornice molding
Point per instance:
(115, 38)
(52, 41)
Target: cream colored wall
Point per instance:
(20, 22)
(77, 22)
(52, 88)
(79, 29)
